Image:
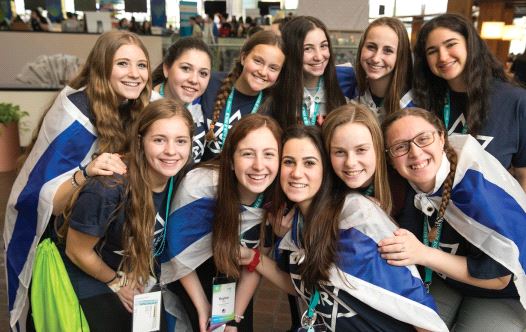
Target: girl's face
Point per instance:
(420, 164)
(167, 145)
(256, 163)
(130, 72)
(261, 68)
(316, 54)
(446, 54)
(378, 54)
(353, 157)
(301, 171)
(189, 75)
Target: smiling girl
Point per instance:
(105, 267)
(88, 119)
(471, 228)
(243, 90)
(308, 89)
(218, 206)
(384, 67)
(184, 76)
(461, 81)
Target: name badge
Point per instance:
(147, 312)
(223, 301)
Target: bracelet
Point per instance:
(74, 182)
(123, 281)
(112, 279)
(251, 267)
(84, 170)
(240, 317)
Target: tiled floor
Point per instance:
(271, 310)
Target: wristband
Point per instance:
(84, 171)
(112, 279)
(74, 182)
(251, 267)
(122, 281)
(240, 317)
(232, 323)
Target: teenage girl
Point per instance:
(88, 118)
(183, 76)
(461, 81)
(308, 88)
(467, 224)
(384, 68)
(243, 90)
(218, 206)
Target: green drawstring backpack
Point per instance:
(53, 301)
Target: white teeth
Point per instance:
(257, 177)
(420, 165)
(259, 79)
(132, 84)
(189, 89)
(353, 173)
(297, 185)
(170, 162)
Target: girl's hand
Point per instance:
(403, 249)
(285, 224)
(126, 294)
(106, 164)
(203, 316)
(245, 255)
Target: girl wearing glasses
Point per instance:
(468, 226)
(458, 79)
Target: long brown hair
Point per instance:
(481, 68)
(259, 38)
(321, 223)
(227, 221)
(432, 119)
(110, 123)
(402, 74)
(356, 113)
(287, 96)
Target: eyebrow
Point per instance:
(444, 42)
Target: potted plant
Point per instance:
(10, 115)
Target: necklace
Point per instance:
(228, 111)
(307, 119)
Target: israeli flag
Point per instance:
(362, 273)
(189, 226)
(367, 100)
(66, 139)
(487, 206)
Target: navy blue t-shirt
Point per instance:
(99, 212)
(504, 131)
(241, 105)
(480, 265)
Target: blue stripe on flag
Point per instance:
(188, 224)
(493, 207)
(64, 153)
(359, 257)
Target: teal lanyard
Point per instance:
(160, 247)
(258, 203)
(369, 191)
(438, 224)
(311, 318)
(161, 89)
(228, 111)
(311, 121)
(447, 114)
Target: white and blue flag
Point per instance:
(66, 139)
(361, 273)
(487, 206)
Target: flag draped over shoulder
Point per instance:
(189, 226)
(487, 207)
(66, 139)
(360, 271)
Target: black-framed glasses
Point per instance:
(402, 148)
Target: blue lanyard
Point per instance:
(161, 89)
(259, 202)
(447, 112)
(434, 244)
(369, 191)
(158, 251)
(305, 115)
(228, 111)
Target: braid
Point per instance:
(448, 183)
(222, 95)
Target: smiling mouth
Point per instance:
(260, 79)
(445, 66)
(354, 172)
(257, 177)
(169, 162)
(374, 67)
(297, 185)
(189, 89)
(419, 165)
(132, 84)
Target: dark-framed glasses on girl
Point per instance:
(421, 140)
